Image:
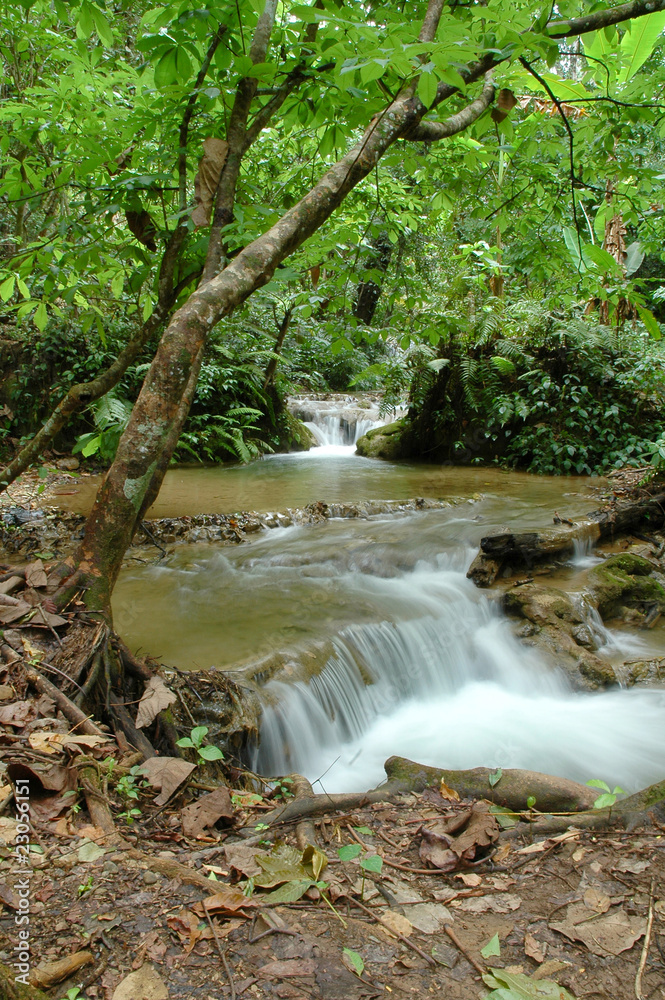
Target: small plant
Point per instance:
(195, 742)
(85, 886)
(282, 789)
(130, 784)
(73, 993)
(608, 798)
(130, 814)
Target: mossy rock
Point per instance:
(383, 442)
(11, 990)
(300, 436)
(541, 605)
(624, 581)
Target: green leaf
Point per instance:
(355, 960)
(597, 783)
(92, 446)
(495, 777)
(211, 753)
(372, 71)
(198, 734)
(634, 258)
(364, 829)
(184, 742)
(289, 892)
(492, 949)
(605, 801)
(521, 987)
(23, 288)
(650, 322)
(7, 288)
(183, 64)
(40, 319)
(427, 84)
(638, 42)
(372, 864)
(601, 258)
(166, 70)
(103, 28)
(349, 851)
(85, 24)
(505, 817)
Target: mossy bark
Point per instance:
(11, 990)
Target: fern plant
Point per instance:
(111, 416)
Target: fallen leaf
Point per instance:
(144, 984)
(596, 900)
(206, 182)
(448, 793)
(396, 923)
(606, 935)
(9, 897)
(225, 900)
(504, 903)
(43, 777)
(470, 879)
(545, 845)
(15, 714)
(288, 968)
(534, 949)
(167, 774)
(243, 859)
(492, 948)
(429, 918)
(631, 865)
(156, 698)
(186, 925)
(35, 575)
(478, 829)
(89, 851)
(206, 811)
(521, 987)
(353, 961)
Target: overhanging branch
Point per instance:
(432, 131)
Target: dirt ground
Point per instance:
(608, 888)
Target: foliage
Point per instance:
(195, 740)
(111, 416)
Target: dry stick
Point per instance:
(458, 944)
(402, 938)
(645, 950)
(222, 955)
(68, 708)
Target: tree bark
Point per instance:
(369, 292)
(277, 349)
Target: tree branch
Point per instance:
(603, 18)
(432, 131)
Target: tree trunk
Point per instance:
(369, 292)
(277, 349)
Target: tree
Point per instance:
(305, 55)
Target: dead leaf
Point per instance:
(448, 793)
(156, 698)
(429, 918)
(15, 714)
(534, 949)
(35, 575)
(210, 169)
(9, 615)
(606, 935)
(186, 925)
(631, 865)
(470, 879)
(545, 845)
(9, 897)
(225, 900)
(167, 774)
(144, 984)
(206, 811)
(503, 903)
(43, 777)
(478, 829)
(596, 900)
(44, 808)
(243, 859)
(7, 692)
(288, 968)
(396, 923)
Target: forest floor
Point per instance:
(171, 906)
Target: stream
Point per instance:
(418, 662)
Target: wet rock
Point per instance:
(68, 464)
(383, 442)
(624, 583)
(644, 672)
(556, 628)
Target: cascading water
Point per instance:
(337, 421)
(453, 687)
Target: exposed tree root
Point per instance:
(79, 719)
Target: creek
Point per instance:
(388, 648)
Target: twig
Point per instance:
(271, 930)
(645, 950)
(68, 709)
(402, 938)
(222, 955)
(458, 944)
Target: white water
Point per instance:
(337, 422)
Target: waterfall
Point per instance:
(454, 688)
(339, 420)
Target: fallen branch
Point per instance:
(71, 712)
(317, 805)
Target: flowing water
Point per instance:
(391, 649)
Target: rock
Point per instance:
(68, 464)
(625, 582)
(644, 672)
(110, 868)
(383, 442)
(556, 628)
(150, 878)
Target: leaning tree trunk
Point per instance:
(369, 291)
(147, 444)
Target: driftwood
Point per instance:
(527, 548)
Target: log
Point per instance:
(512, 790)
(527, 548)
(11, 990)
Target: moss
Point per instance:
(655, 793)
(384, 442)
(624, 581)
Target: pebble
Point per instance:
(110, 867)
(150, 878)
